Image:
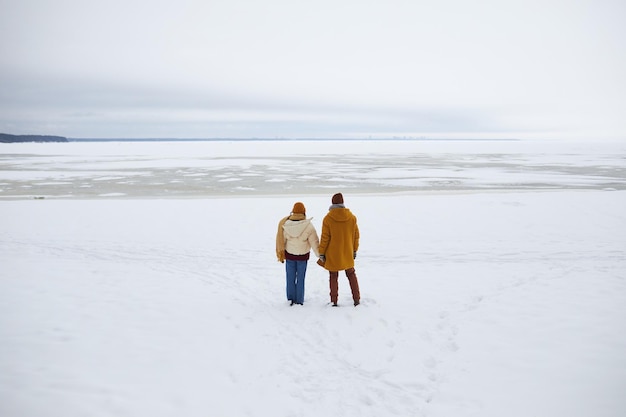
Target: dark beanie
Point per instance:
(338, 198)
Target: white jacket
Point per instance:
(300, 237)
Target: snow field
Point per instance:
(476, 304)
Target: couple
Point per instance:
(336, 249)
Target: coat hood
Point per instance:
(340, 214)
(294, 228)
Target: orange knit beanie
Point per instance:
(298, 208)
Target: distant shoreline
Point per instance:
(8, 138)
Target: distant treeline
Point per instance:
(6, 138)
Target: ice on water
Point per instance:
(197, 169)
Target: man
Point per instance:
(338, 246)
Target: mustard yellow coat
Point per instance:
(340, 239)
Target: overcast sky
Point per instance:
(319, 68)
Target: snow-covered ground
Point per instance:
(139, 279)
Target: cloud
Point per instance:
(246, 68)
(87, 106)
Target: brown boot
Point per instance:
(354, 286)
(334, 287)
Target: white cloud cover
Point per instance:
(323, 69)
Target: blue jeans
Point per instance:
(296, 273)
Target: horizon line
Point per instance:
(243, 139)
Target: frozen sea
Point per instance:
(139, 279)
(251, 168)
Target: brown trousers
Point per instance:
(334, 285)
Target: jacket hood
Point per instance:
(340, 214)
(295, 228)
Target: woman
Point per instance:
(295, 238)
